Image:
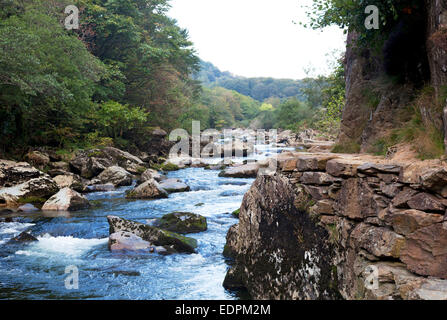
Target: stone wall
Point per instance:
(325, 224)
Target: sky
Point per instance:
(257, 38)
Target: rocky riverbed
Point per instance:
(63, 214)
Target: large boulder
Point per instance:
(116, 175)
(245, 171)
(13, 173)
(69, 180)
(38, 159)
(182, 222)
(58, 168)
(150, 174)
(66, 200)
(91, 163)
(148, 190)
(155, 236)
(123, 240)
(174, 185)
(36, 190)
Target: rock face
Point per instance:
(170, 241)
(66, 200)
(182, 222)
(371, 104)
(317, 231)
(148, 190)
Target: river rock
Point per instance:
(38, 159)
(147, 190)
(122, 240)
(158, 237)
(27, 208)
(24, 237)
(66, 200)
(182, 222)
(117, 176)
(14, 173)
(245, 171)
(34, 190)
(91, 163)
(100, 188)
(58, 168)
(71, 181)
(152, 174)
(174, 186)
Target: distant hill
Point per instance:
(257, 88)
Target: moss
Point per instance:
(166, 167)
(372, 98)
(334, 236)
(190, 242)
(95, 154)
(141, 170)
(228, 252)
(235, 213)
(32, 200)
(182, 222)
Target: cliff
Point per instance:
(329, 226)
(386, 83)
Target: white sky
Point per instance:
(257, 38)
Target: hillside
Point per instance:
(257, 88)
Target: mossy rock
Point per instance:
(236, 213)
(32, 200)
(166, 167)
(182, 222)
(169, 167)
(171, 241)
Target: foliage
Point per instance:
(350, 15)
(114, 119)
(257, 88)
(127, 68)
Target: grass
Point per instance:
(348, 147)
(426, 138)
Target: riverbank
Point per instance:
(80, 238)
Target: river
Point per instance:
(37, 270)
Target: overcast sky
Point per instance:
(257, 38)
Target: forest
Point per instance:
(126, 70)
